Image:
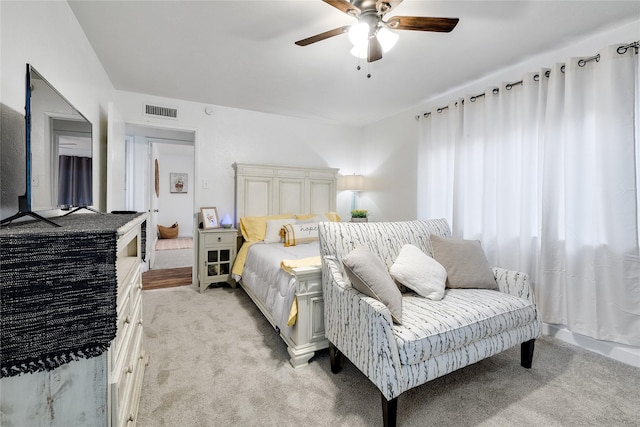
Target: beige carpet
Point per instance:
(215, 361)
(173, 259)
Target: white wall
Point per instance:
(388, 153)
(48, 36)
(173, 206)
(231, 135)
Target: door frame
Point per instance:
(150, 250)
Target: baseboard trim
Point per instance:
(620, 352)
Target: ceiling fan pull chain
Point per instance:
(358, 67)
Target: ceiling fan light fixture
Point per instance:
(373, 35)
(387, 39)
(359, 34)
(360, 51)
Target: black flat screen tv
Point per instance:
(58, 152)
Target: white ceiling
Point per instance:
(241, 53)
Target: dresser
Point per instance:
(216, 254)
(86, 293)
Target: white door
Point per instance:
(153, 203)
(116, 168)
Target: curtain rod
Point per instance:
(581, 63)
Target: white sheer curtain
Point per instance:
(546, 174)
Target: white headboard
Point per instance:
(271, 190)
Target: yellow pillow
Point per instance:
(306, 216)
(331, 216)
(254, 228)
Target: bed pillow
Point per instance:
(466, 264)
(254, 228)
(333, 216)
(368, 274)
(329, 216)
(308, 219)
(273, 233)
(297, 234)
(419, 272)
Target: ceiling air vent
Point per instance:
(158, 111)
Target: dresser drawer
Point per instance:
(123, 331)
(136, 290)
(137, 376)
(219, 238)
(123, 406)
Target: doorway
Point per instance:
(160, 178)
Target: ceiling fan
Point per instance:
(371, 35)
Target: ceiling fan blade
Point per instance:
(323, 36)
(417, 23)
(344, 6)
(375, 50)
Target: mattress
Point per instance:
(274, 287)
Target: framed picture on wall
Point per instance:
(210, 218)
(178, 182)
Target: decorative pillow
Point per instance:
(465, 262)
(305, 217)
(368, 274)
(329, 216)
(419, 272)
(254, 228)
(296, 234)
(308, 219)
(274, 233)
(333, 216)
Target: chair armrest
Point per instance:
(361, 328)
(517, 284)
(514, 283)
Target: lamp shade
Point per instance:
(354, 182)
(387, 39)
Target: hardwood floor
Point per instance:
(166, 278)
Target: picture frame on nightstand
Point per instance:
(210, 218)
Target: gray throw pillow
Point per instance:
(368, 274)
(466, 264)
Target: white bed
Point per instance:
(264, 190)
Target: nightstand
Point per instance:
(216, 253)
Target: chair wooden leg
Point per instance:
(526, 353)
(335, 356)
(389, 411)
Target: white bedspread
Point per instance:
(274, 287)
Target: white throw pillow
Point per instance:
(419, 272)
(273, 235)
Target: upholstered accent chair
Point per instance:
(428, 337)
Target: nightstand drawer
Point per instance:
(219, 238)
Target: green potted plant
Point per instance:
(359, 215)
